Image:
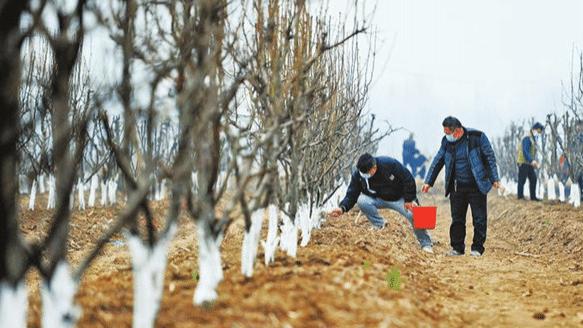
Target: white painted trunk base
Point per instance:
(103, 193)
(41, 183)
(81, 194)
(32, 198)
(52, 193)
(303, 217)
(93, 191)
(272, 241)
(289, 237)
(251, 243)
(575, 195)
(149, 267)
(13, 305)
(552, 194)
(112, 191)
(58, 299)
(209, 265)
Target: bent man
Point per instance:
(382, 182)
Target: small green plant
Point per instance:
(393, 279)
(366, 265)
(195, 275)
(547, 222)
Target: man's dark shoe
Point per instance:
(536, 199)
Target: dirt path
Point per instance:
(508, 286)
(530, 276)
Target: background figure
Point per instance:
(526, 160)
(412, 158)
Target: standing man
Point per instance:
(526, 160)
(382, 182)
(412, 157)
(470, 173)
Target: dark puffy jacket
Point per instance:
(481, 156)
(391, 182)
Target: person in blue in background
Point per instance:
(413, 158)
(526, 160)
(470, 173)
(383, 182)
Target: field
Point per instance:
(351, 276)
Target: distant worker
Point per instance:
(413, 158)
(526, 160)
(470, 173)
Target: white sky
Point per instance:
(486, 62)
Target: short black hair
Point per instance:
(538, 126)
(366, 162)
(451, 122)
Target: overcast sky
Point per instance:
(486, 62)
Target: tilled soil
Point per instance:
(351, 276)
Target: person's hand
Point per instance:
(425, 188)
(337, 212)
(535, 164)
(497, 185)
(409, 206)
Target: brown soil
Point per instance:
(531, 274)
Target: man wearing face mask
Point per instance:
(527, 163)
(382, 182)
(470, 173)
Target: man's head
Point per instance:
(366, 165)
(537, 129)
(453, 129)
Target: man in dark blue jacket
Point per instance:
(382, 182)
(470, 173)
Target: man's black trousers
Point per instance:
(459, 201)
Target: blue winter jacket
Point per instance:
(391, 182)
(481, 157)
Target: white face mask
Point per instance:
(450, 138)
(365, 175)
(536, 134)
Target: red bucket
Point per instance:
(424, 217)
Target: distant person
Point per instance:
(413, 158)
(470, 173)
(382, 182)
(526, 160)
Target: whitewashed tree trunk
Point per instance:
(149, 267)
(163, 189)
(58, 299)
(289, 237)
(540, 191)
(270, 244)
(32, 198)
(72, 199)
(303, 216)
(41, 183)
(13, 305)
(575, 195)
(551, 189)
(209, 265)
(52, 193)
(112, 191)
(23, 187)
(251, 243)
(194, 178)
(93, 190)
(104, 192)
(561, 192)
(81, 194)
